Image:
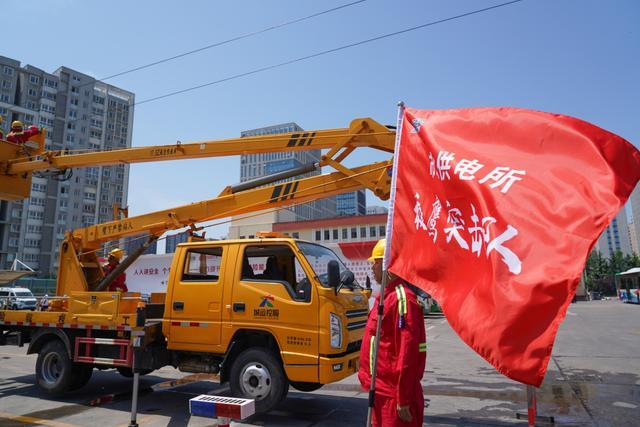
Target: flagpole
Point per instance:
(385, 263)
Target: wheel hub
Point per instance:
(52, 368)
(255, 381)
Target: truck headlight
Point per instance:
(335, 326)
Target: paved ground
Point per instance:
(593, 380)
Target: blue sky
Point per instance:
(580, 58)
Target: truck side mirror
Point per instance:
(333, 273)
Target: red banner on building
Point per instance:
(495, 212)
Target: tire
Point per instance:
(257, 374)
(54, 369)
(306, 386)
(128, 372)
(81, 375)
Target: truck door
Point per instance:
(274, 294)
(196, 304)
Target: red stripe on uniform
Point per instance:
(194, 323)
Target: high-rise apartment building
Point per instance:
(354, 203)
(257, 165)
(78, 113)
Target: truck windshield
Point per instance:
(318, 257)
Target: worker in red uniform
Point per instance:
(118, 284)
(402, 352)
(20, 136)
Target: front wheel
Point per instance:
(306, 387)
(257, 374)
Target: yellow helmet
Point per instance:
(378, 250)
(117, 253)
(16, 124)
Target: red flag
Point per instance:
(495, 212)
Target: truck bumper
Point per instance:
(334, 369)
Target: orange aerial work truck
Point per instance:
(295, 320)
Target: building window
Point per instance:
(345, 234)
(335, 234)
(34, 79)
(327, 235)
(318, 235)
(6, 84)
(363, 232)
(8, 71)
(382, 230)
(372, 231)
(354, 233)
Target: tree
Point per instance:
(596, 269)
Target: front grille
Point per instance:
(353, 346)
(356, 325)
(357, 313)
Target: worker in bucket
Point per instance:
(402, 352)
(20, 136)
(118, 284)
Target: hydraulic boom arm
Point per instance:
(79, 269)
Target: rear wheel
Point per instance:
(257, 374)
(54, 369)
(81, 375)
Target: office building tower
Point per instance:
(634, 218)
(354, 203)
(374, 210)
(258, 165)
(615, 237)
(132, 243)
(172, 241)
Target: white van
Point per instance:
(17, 299)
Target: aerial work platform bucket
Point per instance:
(18, 186)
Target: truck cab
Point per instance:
(269, 312)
